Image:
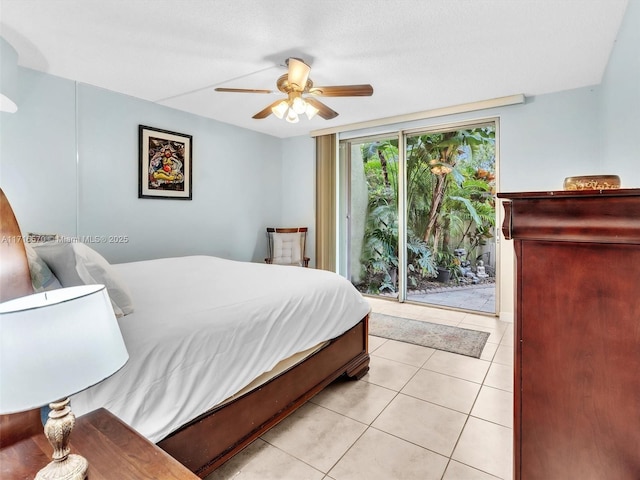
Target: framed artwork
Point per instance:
(164, 164)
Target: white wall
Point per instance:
(620, 107)
(38, 154)
(236, 182)
(299, 188)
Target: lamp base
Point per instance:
(74, 467)
(65, 466)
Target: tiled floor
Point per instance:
(418, 414)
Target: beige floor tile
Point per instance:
(417, 311)
(315, 435)
(361, 401)
(443, 390)
(487, 447)
(500, 376)
(408, 310)
(380, 456)
(484, 321)
(439, 315)
(494, 406)
(460, 366)
(389, 373)
(458, 471)
(489, 351)
(375, 342)
(402, 352)
(507, 338)
(382, 305)
(426, 424)
(261, 461)
(504, 355)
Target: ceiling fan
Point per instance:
(301, 94)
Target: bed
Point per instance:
(220, 351)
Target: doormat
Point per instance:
(441, 337)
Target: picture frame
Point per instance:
(165, 164)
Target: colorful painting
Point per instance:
(165, 164)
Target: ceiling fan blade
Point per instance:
(242, 90)
(343, 91)
(264, 113)
(298, 72)
(324, 111)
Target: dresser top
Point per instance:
(614, 192)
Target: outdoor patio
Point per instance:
(479, 298)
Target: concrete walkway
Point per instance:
(479, 298)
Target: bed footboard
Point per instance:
(213, 438)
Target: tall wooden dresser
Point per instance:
(577, 348)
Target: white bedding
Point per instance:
(204, 327)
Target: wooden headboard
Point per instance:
(15, 281)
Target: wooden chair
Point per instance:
(287, 246)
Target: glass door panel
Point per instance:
(451, 214)
(373, 215)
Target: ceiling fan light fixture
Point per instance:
(301, 94)
(299, 105)
(311, 111)
(280, 109)
(292, 116)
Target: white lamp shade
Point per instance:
(54, 344)
(280, 109)
(299, 105)
(311, 111)
(292, 116)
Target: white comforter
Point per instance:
(204, 327)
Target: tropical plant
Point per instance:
(443, 152)
(449, 193)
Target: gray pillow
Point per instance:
(42, 278)
(77, 264)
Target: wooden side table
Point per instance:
(114, 450)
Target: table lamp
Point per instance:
(54, 344)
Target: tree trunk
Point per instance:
(383, 165)
(436, 205)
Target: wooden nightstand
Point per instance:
(114, 450)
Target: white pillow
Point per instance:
(42, 278)
(77, 264)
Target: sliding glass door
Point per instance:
(420, 220)
(371, 214)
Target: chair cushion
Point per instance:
(287, 248)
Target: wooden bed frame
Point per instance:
(206, 442)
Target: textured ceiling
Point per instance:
(417, 54)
